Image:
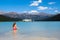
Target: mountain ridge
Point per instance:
(35, 17)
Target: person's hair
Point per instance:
(14, 24)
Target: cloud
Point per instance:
(42, 8)
(33, 11)
(36, 3)
(50, 3)
(40, 1)
(57, 11)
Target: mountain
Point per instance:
(54, 18)
(1, 12)
(5, 18)
(13, 16)
(36, 16)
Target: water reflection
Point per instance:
(15, 34)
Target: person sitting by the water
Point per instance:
(14, 26)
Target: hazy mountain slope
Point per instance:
(4, 18)
(13, 16)
(27, 15)
(54, 18)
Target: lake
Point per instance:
(30, 31)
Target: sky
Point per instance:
(47, 6)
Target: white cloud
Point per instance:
(50, 3)
(42, 8)
(56, 11)
(36, 3)
(33, 11)
(40, 1)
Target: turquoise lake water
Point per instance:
(31, 31)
